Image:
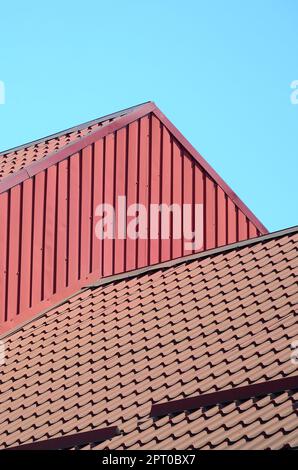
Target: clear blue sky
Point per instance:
(220, 70)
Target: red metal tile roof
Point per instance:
(213, 322)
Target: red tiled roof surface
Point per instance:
(18, 158)
(210, 323)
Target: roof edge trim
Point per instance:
(193, 257)
(225, 396)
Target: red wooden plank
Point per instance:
(166, 182)
(49, 238)
(252, 230)
(177, 199)
(187, 203)
(12, 180)
(143, 190)
(232, 222)
(13, 254)
(210, 213)
(120, 190)
(74, 206)
(3, 254)
(224, 396)
(88, 139)
(98, 176)
(38, 228)
(57, 156)
(108, 245)
(221, 217)
(86, 212)
(242, 226)
(52, 159)
(132, 190)
(160, 175)
(71, 440)
(26, 245)
(61, 228)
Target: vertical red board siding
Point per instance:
(48, 243)
(210, 211)
(232, 222)
(187, 202)
(61, 228)
(252, 230)
(74, 219)
(199, 194)
(14, 255)
(222, 219)
(155, 188)
(4, 214)
(242, 226)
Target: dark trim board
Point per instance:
(133, 114)
(66, 442)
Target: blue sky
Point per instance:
(220, 70)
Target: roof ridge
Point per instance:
(75, 128)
